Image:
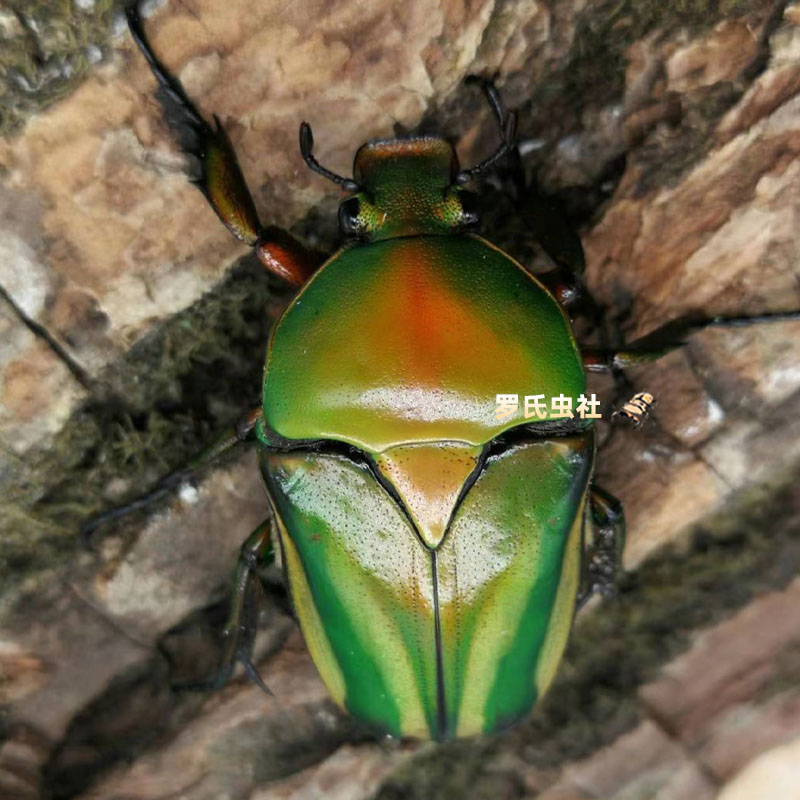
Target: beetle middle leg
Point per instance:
(220, 177)
(240, 628)
(243, 431)
(603, 554)
(670, 337)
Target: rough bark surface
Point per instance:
(132, 326)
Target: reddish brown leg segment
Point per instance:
(220, 177)
(285, 257)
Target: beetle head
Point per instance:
(403, 187)
(410, 187)
(406, 187)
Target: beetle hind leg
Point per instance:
(241, 627)
(603, 555)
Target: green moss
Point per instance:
(193, 376)
(750, 548)
(46, 48)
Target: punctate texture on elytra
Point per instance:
(500, 586)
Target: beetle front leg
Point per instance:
(556, 236)
(546, 214)
(603, 555)
(559, 240)
(220, 178)
(240, 630)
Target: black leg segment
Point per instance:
(224, 443)
(603, 554)
(671, 336)
(220, 179)
(241, 628)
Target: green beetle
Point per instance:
(433, 563)
(435, 554)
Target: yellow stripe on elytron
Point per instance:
(371, 606)
(503, 598)
(377, 619)
(313, 630)
(563, 609)
(498, 627)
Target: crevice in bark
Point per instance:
(40, 332)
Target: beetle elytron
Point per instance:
(434, 555)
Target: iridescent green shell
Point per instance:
(501, 587)
(434, 581)
(412, 339)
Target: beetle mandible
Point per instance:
(434, 554)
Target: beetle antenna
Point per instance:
(492, 96)
(509, 132)
(306, 146)
(507, 122)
